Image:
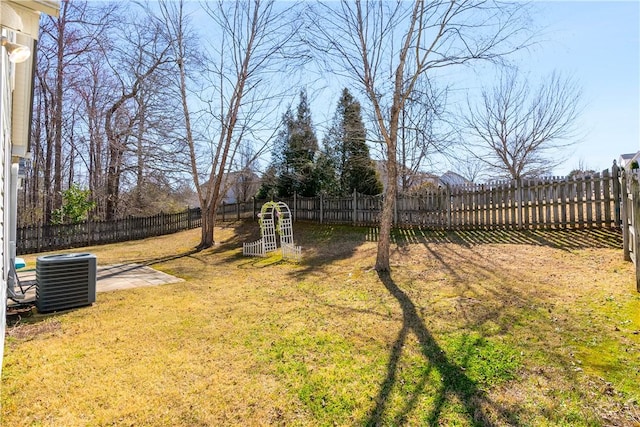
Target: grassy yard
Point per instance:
(470, 328)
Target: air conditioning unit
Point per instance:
(65, 281)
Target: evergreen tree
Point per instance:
(269, 187)
(346, 146)
(294, 157)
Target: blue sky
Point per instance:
(598, 44)
(594, 42)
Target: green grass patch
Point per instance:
(487, 362)
(471, 328)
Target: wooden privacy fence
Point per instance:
(581, 202)
(40, 238)
(630, 186)
(535, 203)
(559, 202)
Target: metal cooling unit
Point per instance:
(65, 281)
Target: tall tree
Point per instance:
(94, 93)
(518, 128)
(386, 47)
(141, 55)
(346, 145)
(424, 133)
(250, 42)
(295, 152)
(268, 183)
(243, 182)
(65, 43)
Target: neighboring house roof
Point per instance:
(627, 159)
(419, 179)
(451, 178)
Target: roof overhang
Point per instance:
(24, 16)
(50, 7)
(20, 23)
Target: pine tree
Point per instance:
(346, 146)
(269, 187)
(295, 153)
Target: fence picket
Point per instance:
(529, 203)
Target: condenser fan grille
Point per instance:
(65, 281)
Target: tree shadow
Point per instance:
(565, 239)
(454, 379)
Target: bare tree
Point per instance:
(423, 133)
(105, 108)
(136, 59)
(244, 182)
(65, 42)
(253, 42)
(471, 168)
(518, 129)
(386, 47)
(94, 95)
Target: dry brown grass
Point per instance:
(471, 328)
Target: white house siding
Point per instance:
(5, 129)
(19, 22)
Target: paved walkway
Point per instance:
(114, 277)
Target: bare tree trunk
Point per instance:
(72, 151)
(254, 40)
(48, 197)
(113, 180)
(58, 106)
(140, 164)
(33, 184)
(208, 227)
(386, 47)
(95, 167)
(386, 218)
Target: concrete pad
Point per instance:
(127, 276)
(113, 277)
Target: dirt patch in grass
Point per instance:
(470, 328)
(21, 331)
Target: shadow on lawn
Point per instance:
(454, 379)
(568, 239)
(159, 260)
(503, 308)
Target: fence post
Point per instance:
(448, 201)
(519, 202)
(321, 208)
(237, 210)
(253, 212)
(355, 207)
(617, 192)
(635, 208)
(295, 206)
(624, 193)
